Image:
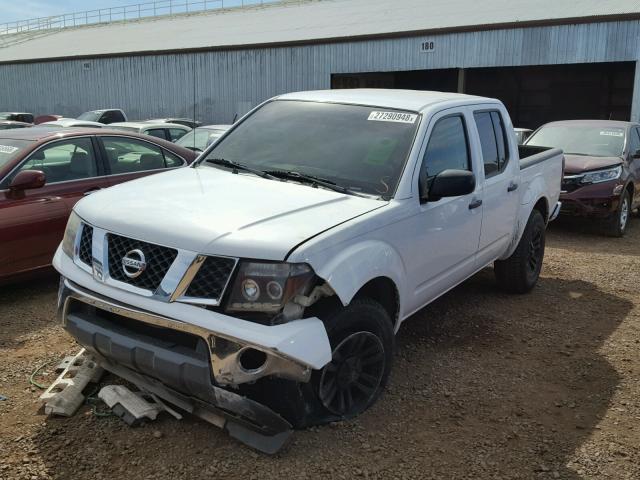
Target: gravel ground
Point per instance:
(485, 385)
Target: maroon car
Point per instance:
(602, 170)
(44, 172)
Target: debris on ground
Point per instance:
(132, 407)
(64, 396)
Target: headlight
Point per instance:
(267, 287)
(70, 233)
(603, 175)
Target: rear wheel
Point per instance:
(520, 272)
(616, 226)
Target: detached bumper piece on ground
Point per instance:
(64, 396)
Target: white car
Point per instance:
(262, 288)
(71, 123)
(166, 131)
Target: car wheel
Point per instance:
(520, 272)
(616, 226)
(362, 343)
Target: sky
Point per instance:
(11, 10)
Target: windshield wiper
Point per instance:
(239, 166)
(312, 179)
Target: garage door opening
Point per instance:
(533, 95)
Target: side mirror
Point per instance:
(27, 180)
(448, 183)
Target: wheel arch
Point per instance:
(370, 268)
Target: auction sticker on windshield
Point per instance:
(8, 149)
(393, 117)
(612, 133)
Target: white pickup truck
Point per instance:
(261, 289)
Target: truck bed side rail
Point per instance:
(531, 155)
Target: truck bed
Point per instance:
(531, 155)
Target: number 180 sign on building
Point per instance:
(428, 46)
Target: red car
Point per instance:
(44, 172)
(602, 172)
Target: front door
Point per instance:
(32, 222)
(445, 232)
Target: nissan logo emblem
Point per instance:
(133, 263)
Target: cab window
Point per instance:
(63, 161)
(493, 141)
(448, 147)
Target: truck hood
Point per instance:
(213, 211)
(575, 164)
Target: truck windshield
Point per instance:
(363, 149)
(591, 140)
(10, 149)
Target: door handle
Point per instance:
(512, 187)
(89, 192)
(475, 204)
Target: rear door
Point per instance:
(32, 225)
(130, 158)
(500, 199)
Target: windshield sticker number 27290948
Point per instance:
(393, 117)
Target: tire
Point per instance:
(616, 226)
(363, 321)
(520, 272)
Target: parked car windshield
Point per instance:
(9, 149)
(592, 140)
(90, 116)
(361, 148)
(200, 138)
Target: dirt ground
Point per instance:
(485, 385)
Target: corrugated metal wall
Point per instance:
(231, 82)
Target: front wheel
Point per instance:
(616, 226)
(520, 272)
(362, 343)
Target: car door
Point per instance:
(444, 235)
(33, 222)
(130, 158)
(634, 161)
(500, 197)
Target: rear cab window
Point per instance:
(493, 140)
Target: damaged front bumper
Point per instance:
(182, 363)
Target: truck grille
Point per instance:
(212, 278)
(158, 260)
(86, 240)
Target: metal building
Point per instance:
(546, 59)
